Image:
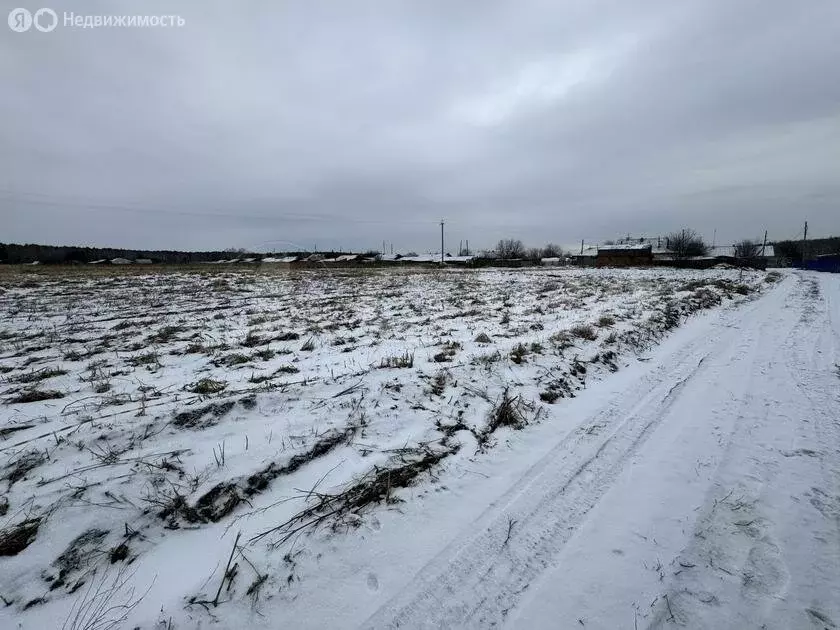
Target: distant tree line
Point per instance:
(62, 254)
(514, 249)
(11, 253)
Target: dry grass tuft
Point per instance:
(206, 386)
(18, 537)
(34, 395)
(605, 321)
(404, 360)
(584, 331)
(377, 486)
(38, 375)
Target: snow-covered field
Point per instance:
(412, 448)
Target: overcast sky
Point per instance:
(334, 123)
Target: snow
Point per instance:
(283, 259)
(422, 258)
(726, 517)
(705, 465)
(625, 247)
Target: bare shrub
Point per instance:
(552, 250)
(747, 249)
(510, 248)
(686, 243)
(509, 411)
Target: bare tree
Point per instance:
(686, 243)
(552, 251)
(747, 249)
(533, 253)
(510, 248)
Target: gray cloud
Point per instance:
(345, 124)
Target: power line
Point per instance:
(18, 197)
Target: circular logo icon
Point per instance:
(20, 20)
(45, 20)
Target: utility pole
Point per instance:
(441, 241)
(804, 239)
(468, 247)
(581, 247)
(764, 244)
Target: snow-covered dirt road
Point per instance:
(702, 490)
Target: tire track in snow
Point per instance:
(477, 579)
(757, 551)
